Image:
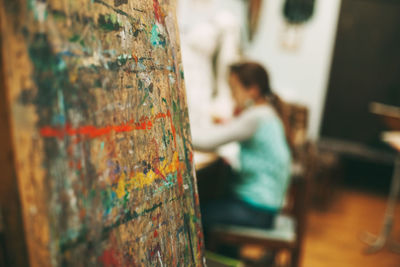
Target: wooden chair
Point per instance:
(290, 225)
(287, 234)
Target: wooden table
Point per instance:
(376, 243)
(204, 159)
(390, 115)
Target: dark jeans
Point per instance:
(219, 204)
(236, 212)
(233, 212)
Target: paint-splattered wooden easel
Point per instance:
(95, 153)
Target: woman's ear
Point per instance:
(254, 91)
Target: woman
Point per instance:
(258, 189)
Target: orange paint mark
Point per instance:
(180, 179)
(82, 213)
(155, 233)
(135, 58)
(110, 258)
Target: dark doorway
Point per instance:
(365, 68)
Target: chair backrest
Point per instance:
(297, 123)
(304, 160)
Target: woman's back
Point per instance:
(265, 161)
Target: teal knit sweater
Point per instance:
(264, 155)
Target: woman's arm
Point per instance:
(239, 129)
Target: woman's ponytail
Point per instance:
(282, 109)
(251, 73)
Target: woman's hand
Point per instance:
(237, 110)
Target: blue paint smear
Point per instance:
(60, 97)
(117, 170)
(59, 118)
(67, 54)
(141, 66)
(61, 64)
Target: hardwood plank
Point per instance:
(333, 237)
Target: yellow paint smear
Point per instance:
(140, 180)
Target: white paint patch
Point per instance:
(170, 25)
(41, 11)
(32, 209)
(159, 258)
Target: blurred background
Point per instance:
(336, 65)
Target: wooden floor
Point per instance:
(333, 236)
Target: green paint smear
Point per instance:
(123, 59)
(77, 38)
(51, 77)
(57, 15)
(109, 22)
(80, 237)
(146, 95)
(74, 38)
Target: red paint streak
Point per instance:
(93, 132)
(157, 217)
(157, 171)
(191, 157)
(157, 11)
(110, 258)
(156, 249)
(155, 233)
(198, 244)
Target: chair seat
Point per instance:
(283, 232)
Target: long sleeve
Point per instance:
(239, 129)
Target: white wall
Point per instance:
(302, 75)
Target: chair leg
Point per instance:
(295, 258)
(212, 243)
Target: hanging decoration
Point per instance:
(253, 17)
(296, 14)
(298, 11)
